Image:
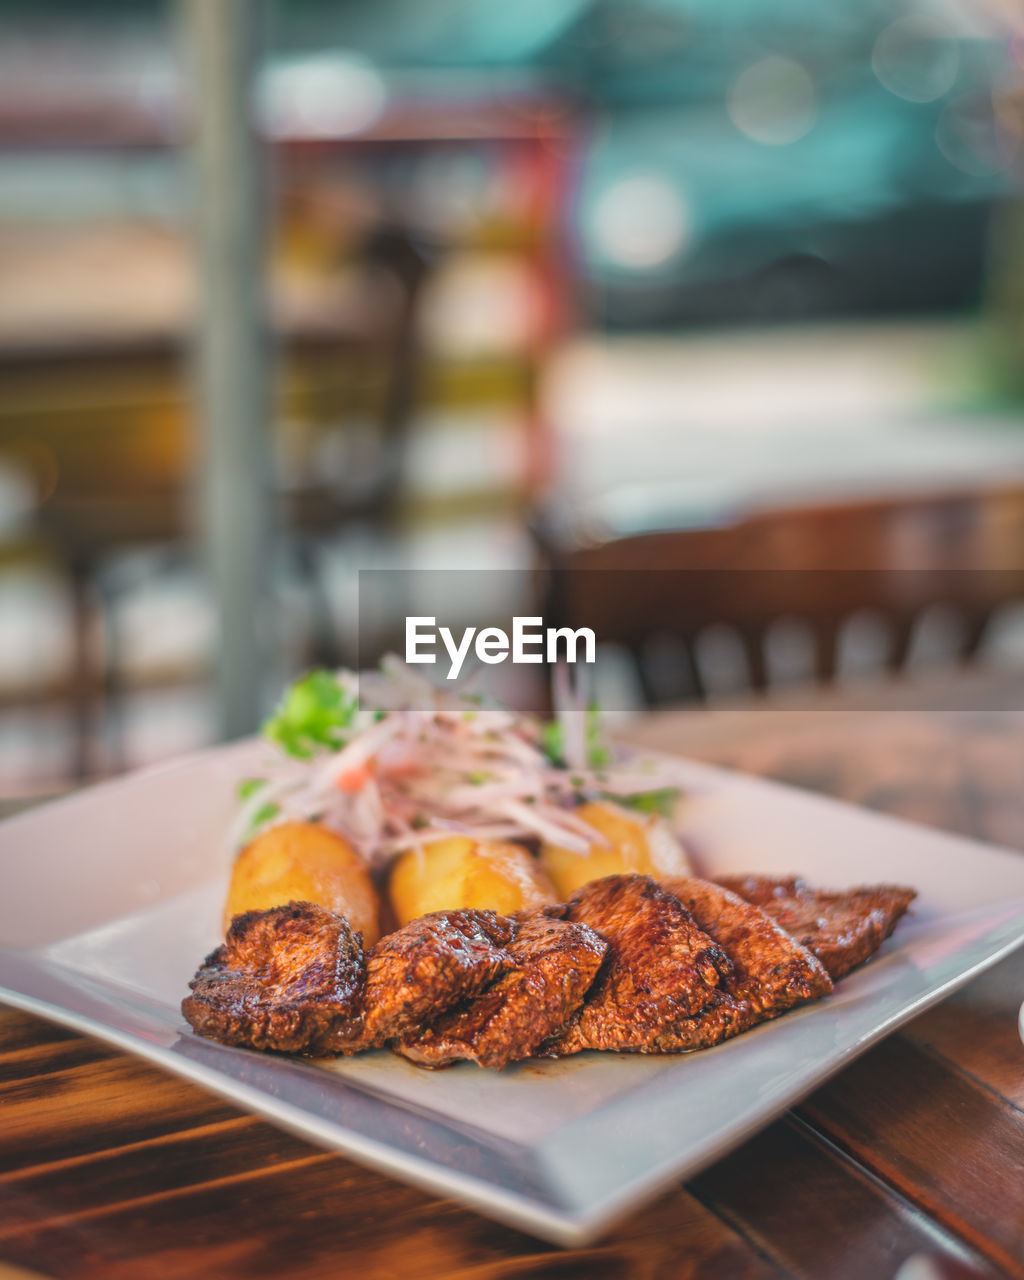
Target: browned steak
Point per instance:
(290, 978)
(427, 967)
(726, 1016)
(842, 929)
(660, 966)
(555, 963)
(761, 890)
(771, 970)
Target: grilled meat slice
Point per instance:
(427, 967)
(290, 978)
(763, 890)
(726, 1016)
(660, 967)
(551, 910)
(771, 971)
(295, 978)
(842, 929)
(555, 963)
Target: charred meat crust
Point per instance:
(295, 978)
(726, 1016)
(555, 962)
(841, 929)
(430, 965)
(627, 964)
(771, 970)
(769, 973)
(660, 966)
(283, 979)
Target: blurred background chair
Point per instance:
(892, 560)
(99, 425)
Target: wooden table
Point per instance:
(109, 1168)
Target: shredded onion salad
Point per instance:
(390, 762)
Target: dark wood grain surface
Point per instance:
(110, 1168)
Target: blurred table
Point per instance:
(110, 1168)
(843, 411)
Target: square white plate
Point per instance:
(110, 899)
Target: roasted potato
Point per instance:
(461, 872)
(304, 862)
(639, 843)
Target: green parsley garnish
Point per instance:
(661, 802)
(314, 712)
(552, 741)
(261, 817)
(598, 753)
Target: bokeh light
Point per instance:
(773, 101)
(641, 221)
(326, 96)
(916, 59)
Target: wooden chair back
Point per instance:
(895, 556)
